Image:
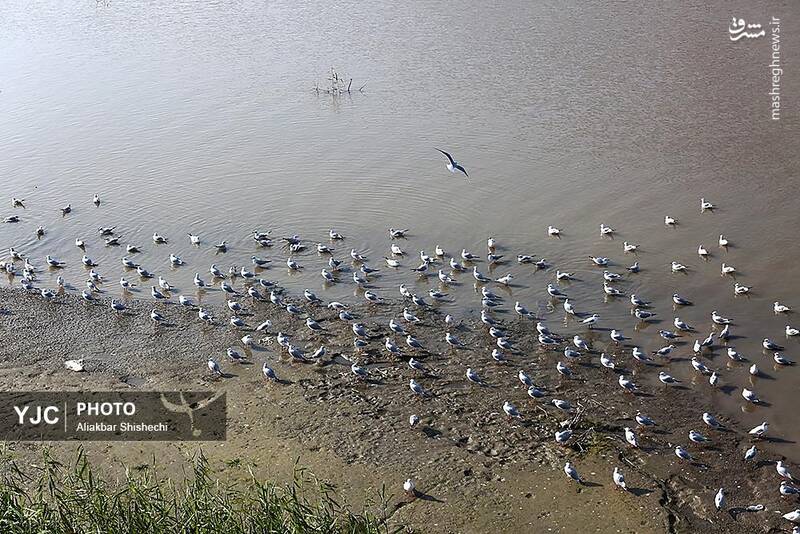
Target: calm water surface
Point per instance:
(199, 117)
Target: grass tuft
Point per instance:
(52, 497)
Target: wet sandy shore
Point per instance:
(476, 470)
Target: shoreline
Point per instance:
(478, 469)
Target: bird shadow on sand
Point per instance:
(773, 439)
(422, 496)
(639, 492)
(590, 484)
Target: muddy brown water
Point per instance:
(201, 118)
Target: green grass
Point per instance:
(52, 497)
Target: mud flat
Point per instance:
(476, 470)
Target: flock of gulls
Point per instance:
(444, 267)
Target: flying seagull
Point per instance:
(453, 165)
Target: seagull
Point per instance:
(522, 311)
(592, 319)
(626, 384)
(750, 453)
(750, 396)
(561, 404)
(682, 453)
(605, 230)
(719, 499)
(600, 261)
(416, 388)
(794, 516)
(479, 276)
(416, 365)
(392, 262)
(505, 280)
(511, 410)
(665, 351)
(568, 307)
(680, 301)
(705, 205)
(680, 325)
(360, 372)
(739, 289)
(699, 366)
(524, 378)
(783, 470)
(643, 315)
(619, 479)
(156, 317)
(723, 241)
(727, 269)
(66, 209)
(629, 247)
(702, 252)
(770, 345)
(408, 487)
(719, 319)
(553, 291)
(606, 362)
(760, 430)
(667, 378)
(292, 265)
(17, 202)
(734, 355)
(553, 231)
(456, 266)
(472, 376)
(269, 374)
(213, 366)
(563, 436)
(611, 291)
(52, 262)
(156, 293)
(782, 360)
(644, 421)
(87, 261)
(205, 316)
(697, 437)
(634, 268)
(572, 473)
(630, 437)
(777, 307)
(194, 239)
(396, 233)
(669, 221)
(159, 239)
(452, 165)
(164, 285)
(678, 267)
